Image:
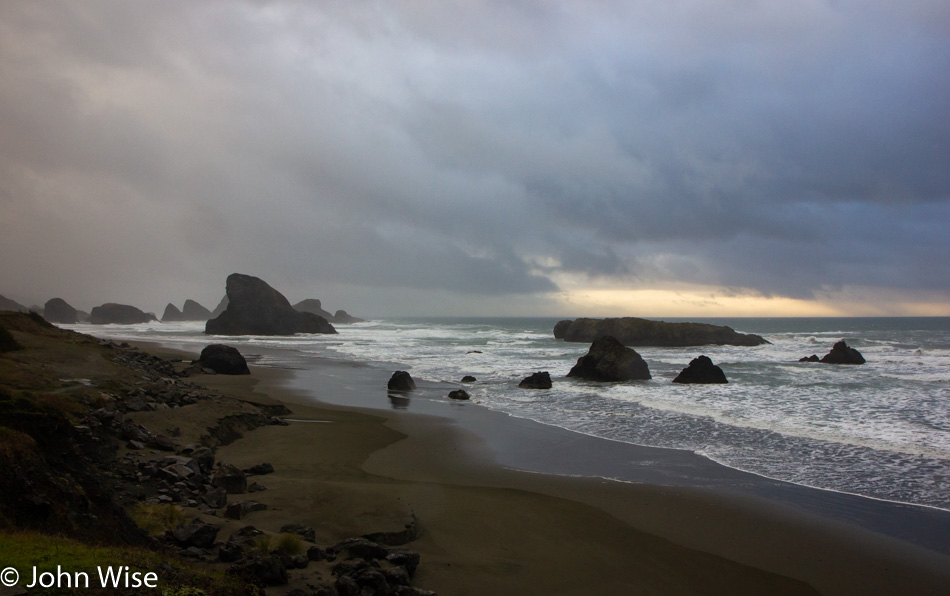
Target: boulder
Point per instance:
(701, 370)
(609, 360)
(119, 314)
(223, 360)
(171, 314)
(58, 310)
(401, 381)
(468, 379)
(538, 380)
(460, 394)
(192, 311)
(197, 534)
(230, 478)
(255, 308)
(632, 331)
(842, 353)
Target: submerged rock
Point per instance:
(609, 360)
(701, 370)
(255, 308)
(632, 331)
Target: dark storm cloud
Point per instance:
(481, 149)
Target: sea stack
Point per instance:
(610, 360)
(255, 308)
(58, 310)
(119, 314)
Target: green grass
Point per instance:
(156, 519)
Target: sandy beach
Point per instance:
(490, 529)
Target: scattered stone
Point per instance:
(538, 380)
(404, 558)
(401, 381)
(315, 553)
(216, 498)
(360, 548)
(260, 469)
(205, 459)
(459, 394)
(609, 360)
(255, 488)
(198, 534)
(230, 478)
(162, 443)
(261, 569)
(701, 370)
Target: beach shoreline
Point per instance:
(416, 460)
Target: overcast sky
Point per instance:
(494, 157)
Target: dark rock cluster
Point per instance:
(841, 353)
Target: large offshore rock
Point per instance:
(632, 331)
(119, 314)
(192, 311)
(58, 310)
(538, 380)
(610, 360)
(255, 308)
(171, 314)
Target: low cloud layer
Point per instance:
(455, 157)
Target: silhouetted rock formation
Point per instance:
(192, 311)
(401, 381)
(220, 307)
(7, 304)
(223, 360)
(119, 314)
(255, 308)
(171, 314)
(459, 394)
(631, 331)
(610, 360)
(341, 316)
(812, 358)
(538, 380)
(313, 305)
(58, 310)
(701, 370)
(842, 353)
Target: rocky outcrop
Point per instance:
(842, 353)
(192, 311)
(220, 307)
(171, 314)
(538, 380)
(58, 310)
(701, 370)
(610, 360)
(401, 381)
(812, 358)
(314, 306)
(631, 331)
(459, 394)
(255, 308)
(7, 304)
(224, 360)
(119, 314)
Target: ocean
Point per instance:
(879, 430)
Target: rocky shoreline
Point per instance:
(113, 449)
